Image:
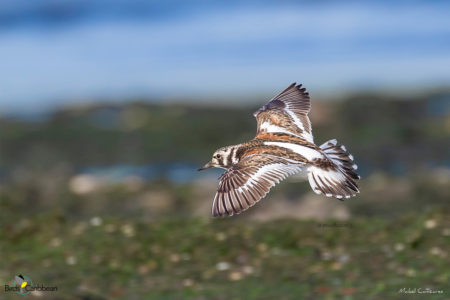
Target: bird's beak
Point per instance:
(207, 166)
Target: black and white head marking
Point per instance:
(225, 157)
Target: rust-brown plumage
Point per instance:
(283, 146)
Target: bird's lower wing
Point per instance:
(249, 181)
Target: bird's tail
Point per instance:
(334, 176)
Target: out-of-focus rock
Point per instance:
(381, 187)
(311, 206)
(83, 184)
(156, 201)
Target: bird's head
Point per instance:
(222, 158)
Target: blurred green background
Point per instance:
(108, 109)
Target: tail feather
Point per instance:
(334, 176)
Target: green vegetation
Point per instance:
(202, 258)
(105, 202)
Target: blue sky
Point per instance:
(55, 53)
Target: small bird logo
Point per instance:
(22, 282)
(283, 146)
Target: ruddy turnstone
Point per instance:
(283, 146)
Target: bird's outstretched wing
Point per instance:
(286, 113)
(249, 181)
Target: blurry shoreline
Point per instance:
(141, 159)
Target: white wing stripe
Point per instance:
(299, 123)
(306, 152)
(267, 169)
(274, 128)
(295, 118)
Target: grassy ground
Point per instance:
(196, 258)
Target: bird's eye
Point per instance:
(217, 155)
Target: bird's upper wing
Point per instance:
(287, 113)
(248, 181)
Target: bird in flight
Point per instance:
(283, 146)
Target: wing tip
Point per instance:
(290, 89)
(297, 86)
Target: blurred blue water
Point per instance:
(185, 172)
(58, 52)
(178, 172)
